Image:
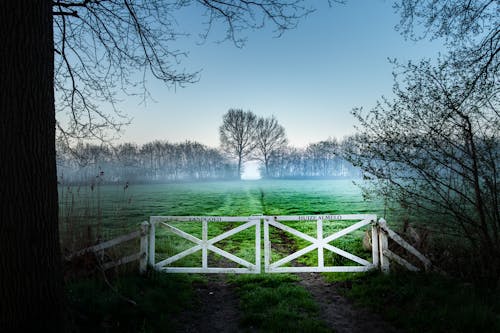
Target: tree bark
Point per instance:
(31, 284)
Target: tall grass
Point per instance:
(414, 302)
(275, 303)
(148, 303)
(418, 302)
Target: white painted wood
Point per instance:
(320, 243)
(345, 217)
(293, 256)
(383, 243)
(291, 230)
(204, 248)
(401, 261)
(178, 256)
(319, 240)
(375, 246)
(181, 233)
(347, 255)
(206, 245)
(347, 230)
(321, 270)
(267, 243)
(152, 235)
(107, 244)
(209, 270)
(258, 254)
(395, 237)
(230, 256)
(143, 262)
(158, 219)
(232, 232)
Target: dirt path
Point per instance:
(217, 310)
(338, 312)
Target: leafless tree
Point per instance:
(435, 146)
(87, 50)
(470, 30)
(435, 149)
(105, 49)
(237, 135)
(269, 137)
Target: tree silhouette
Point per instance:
(99, 46)
(269, 137)
(435, 146)
(237, 135)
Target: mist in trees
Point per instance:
(162, 162)
(435, 147)
(244, 137)
(269, 137)
(156, 161)
(237, 135)
(323, 159)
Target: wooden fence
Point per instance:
(140, 256)
(380, 235)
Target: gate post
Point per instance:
(143, 261)
(151, 253)
(375, 246)
(319, 238)
(258, 235)
(383, 246)
(267, 243)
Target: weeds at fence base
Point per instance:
(418, 302)
(158, 298)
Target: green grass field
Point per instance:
(117, 209)
(107, 211)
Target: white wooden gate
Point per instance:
(319, 243)
(204, 244)
(381, 254)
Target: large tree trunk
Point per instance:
(31, 284)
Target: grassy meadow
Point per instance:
(268, 302)
(99, 212)
(115, 209)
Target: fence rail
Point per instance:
(318, 243)
(141, 256)
(380, 235)
(205, 245)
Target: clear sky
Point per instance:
(310, 78)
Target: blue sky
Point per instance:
(310, 78)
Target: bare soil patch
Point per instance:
(218, 305)
(216, 309)
(338, 312)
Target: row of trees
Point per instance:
(321, 159)
(161, 161)
(244, 136)
(157, 161)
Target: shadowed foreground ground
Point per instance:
(217, 310)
